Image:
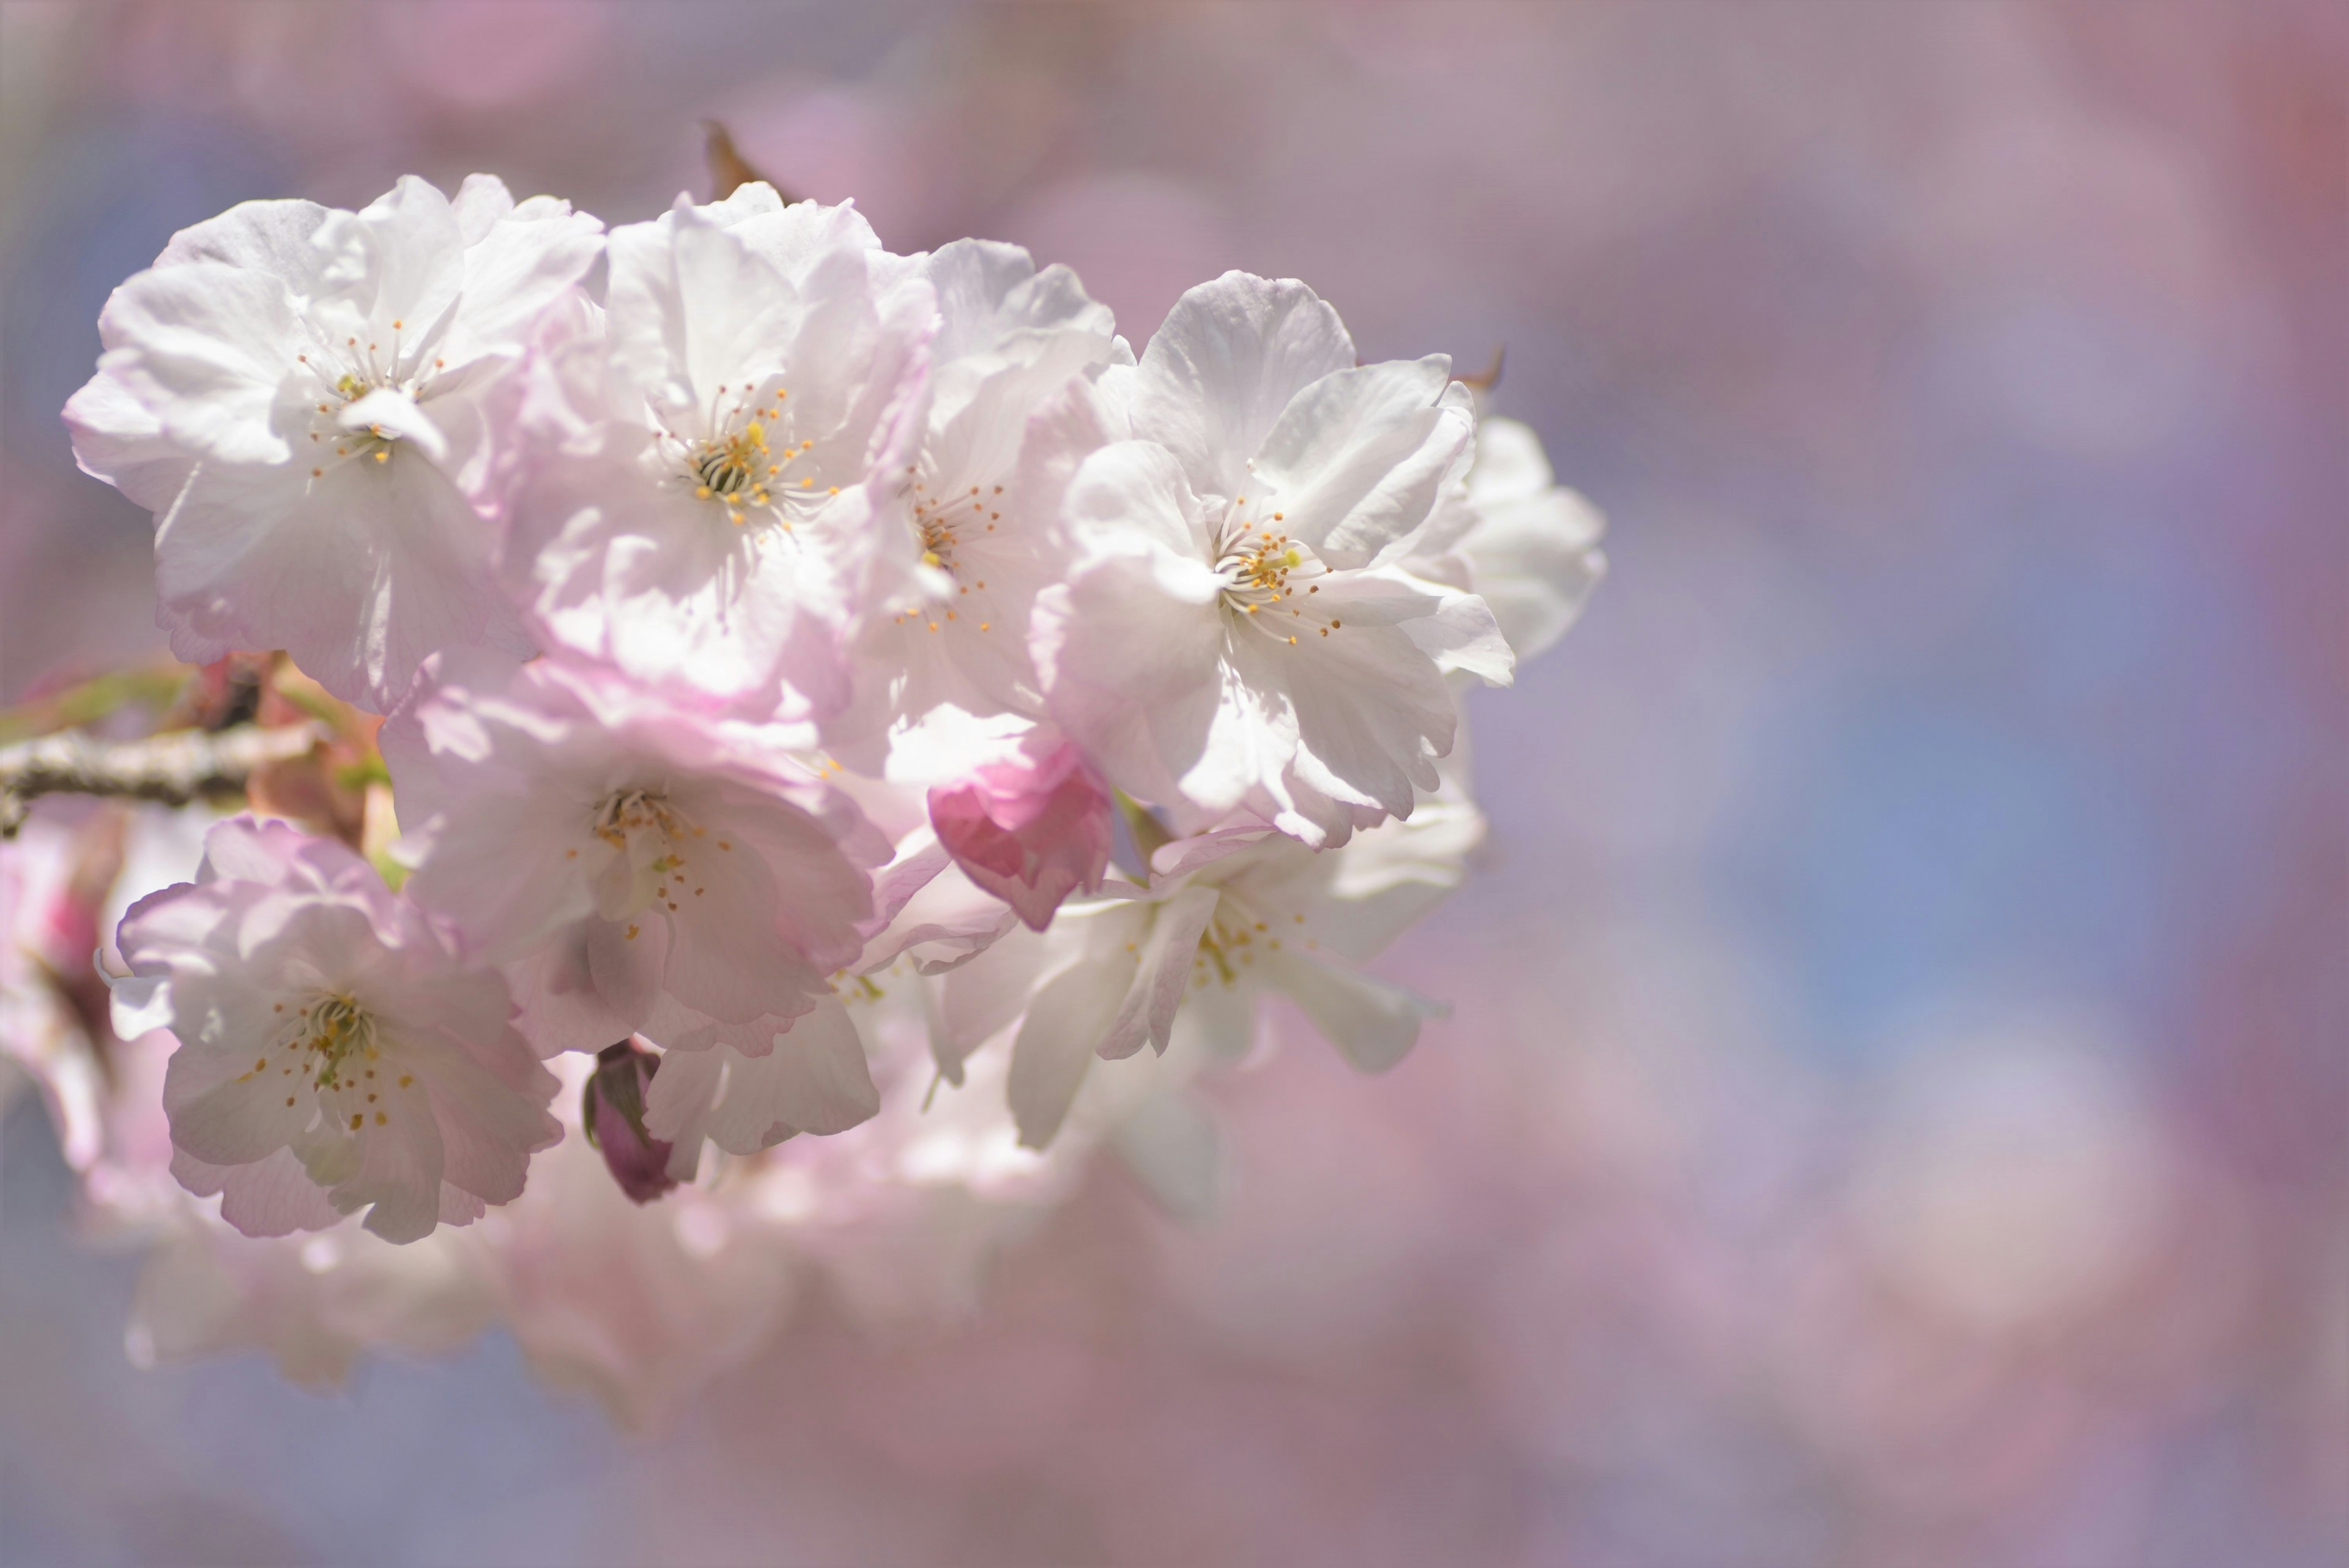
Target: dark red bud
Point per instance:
(614, 1112)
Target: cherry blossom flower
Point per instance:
(313, 1302)
(703, 452)
(1233, 630)
(1524, 544)
(53, 1008)
(301, 397)
(1227, 917)
(872, 589)
(957, 549)
(334, 1054)
(645, 869)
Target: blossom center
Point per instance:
(741, 466)
(332, 1049)
(353, 369)
(650, 869)
(948, 520)
(1234, 934)
(949, 523)
(338, 1030)
(1269, 579)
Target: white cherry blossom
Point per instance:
(703, 452)
(957, 549)
(645, 869)
(335, 1054)
(885, 603)
(1520, 541)
(1227, 917)
(1233, 630)
(303, 398)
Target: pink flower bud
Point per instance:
(615, 1121)
(1030, 832)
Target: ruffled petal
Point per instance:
(1226, 362)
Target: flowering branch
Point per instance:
(174, 768)
(802, 497)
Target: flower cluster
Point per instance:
(772, 632)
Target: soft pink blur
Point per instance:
(1894, 1110)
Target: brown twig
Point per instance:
(173, 768)
(728, 168)
(1489, 377)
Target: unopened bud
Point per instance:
(1031, 831)
(614, 1113)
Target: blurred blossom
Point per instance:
(2012, 1177)
(474, 56)
(1892, 1111)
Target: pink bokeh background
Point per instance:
(1896, 1108)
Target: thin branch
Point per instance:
(1489, 377)
(729, 170)
(174, 768)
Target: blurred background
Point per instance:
(1896, 1109)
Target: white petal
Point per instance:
(628, 960)
(120, 439)
(814, 1080)
(397, 1179)
(1174, 1145)
(558, 1007)
(1067, 1020)
(1148, 1011)
(988, 995)
(1356, 460)
(516, 271)
(361, 576)
(137, 1004)
(478, 204)
(1131, 670)
(401, 257)
(1536, 561)
(208, 349)
(1218, 374)
(273, 1197)
(272, 237)
(681, 1100)
(1130, 497)
(222, 1112)
(1510, 463)
(1463, 635)
(1371, 1024)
